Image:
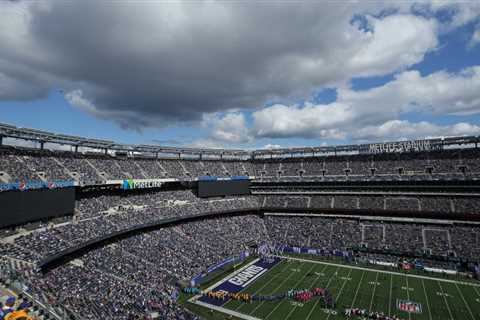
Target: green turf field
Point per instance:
(367, 289)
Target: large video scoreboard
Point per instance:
(220, 187)
(20, 207)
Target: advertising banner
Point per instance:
(313, 251)
(30, 185)
(132, 184)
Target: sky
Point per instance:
(241, 74)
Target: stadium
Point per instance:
(377, 231)
(239, 160)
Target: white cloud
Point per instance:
(403, 129)
(461, 12)
(205, 143)
(231, 128)
(76, 98)
(359, 113)
(475, 39)
(126, 118)
(438, 93)
(309, 121)
(271, 146)
(187, 61)
(160, 63)
(395, 42)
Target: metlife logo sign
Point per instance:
(131, 184)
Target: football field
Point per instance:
(355, 287)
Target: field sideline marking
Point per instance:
(384, 271)
(226, 311)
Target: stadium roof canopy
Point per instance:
(42, 137)
(9, 131)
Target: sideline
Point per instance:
(381, 271)
(226, 311)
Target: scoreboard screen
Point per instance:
(20, 207)
(219, 188)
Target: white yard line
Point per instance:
(446, 302)
(428, 302)
(318, 301)
(279, 286)
(341, 290)
(465, 301)
(358, 288)
(373, 293)
(296, 284)
(384, 271)
(390, 296)
(477, 291)
(313, 283)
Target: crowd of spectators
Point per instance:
(446, 164)
(393, 202)
(137, 276)
(342, 233)
(99, 216)
(23, 164)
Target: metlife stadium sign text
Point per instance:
(402, 146)
(131, 184)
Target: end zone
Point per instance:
(234, 283)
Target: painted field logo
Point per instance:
(409, 306)
(247, 276)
